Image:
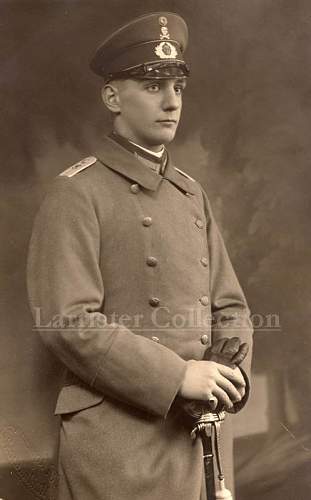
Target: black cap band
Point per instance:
(152, 71)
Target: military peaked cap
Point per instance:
(150, 46)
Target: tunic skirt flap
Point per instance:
(74, 398)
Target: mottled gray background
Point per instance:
(245, 135)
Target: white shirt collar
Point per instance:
(158, 154)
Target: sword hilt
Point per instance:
(205, 420)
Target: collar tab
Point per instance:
(119, 159)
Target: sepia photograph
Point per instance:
(155, 250)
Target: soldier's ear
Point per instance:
(111, 97)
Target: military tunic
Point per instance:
(130, 278)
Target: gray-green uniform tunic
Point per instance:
(128, 268)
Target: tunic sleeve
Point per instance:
(229, 309)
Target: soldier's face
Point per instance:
(149, 110)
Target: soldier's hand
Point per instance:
(241, 388)
(206, 379)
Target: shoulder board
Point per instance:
(184, 174)
(78, 167)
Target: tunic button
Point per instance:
(204, 339)
(199, 223)
(204, 261)
(147, 221)
(135, 188)
(204, 300)
(151, 261)
(154, 301)
(155, 339)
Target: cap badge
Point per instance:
(165, 50)
(164, 33)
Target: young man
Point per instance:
(133, 283)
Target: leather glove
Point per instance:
(230, 352)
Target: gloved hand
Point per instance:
(230, 352)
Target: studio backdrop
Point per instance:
(245, 135)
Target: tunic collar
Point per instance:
(114, 156)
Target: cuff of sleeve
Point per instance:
(141, 373)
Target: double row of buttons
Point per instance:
(152, 261)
